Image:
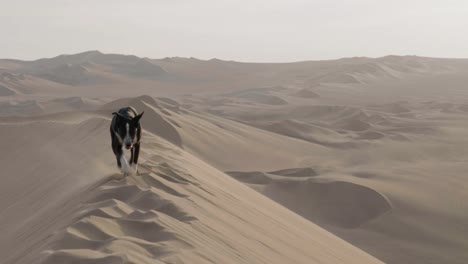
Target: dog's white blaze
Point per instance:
(127, 138)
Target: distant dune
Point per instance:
(5, 91)
(89, 68)
(28, 107)
(305, 93)
(97, 70)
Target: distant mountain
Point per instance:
(96, 68)
(89, 67)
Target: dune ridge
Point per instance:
(182, 210)
(178, 210)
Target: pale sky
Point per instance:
(248, 30)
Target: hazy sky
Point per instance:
(249, 30)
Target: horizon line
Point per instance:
(238, 61)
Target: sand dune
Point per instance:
(27, 107)
(296, 172)
(337, 203)
(87, 67)
(178, 210)
(309, 132)
(70, 104)
(38, 194)
(163, 217)
(5, 91)
(380, 152)
(306, 93)
(377, 159)
(262, 96)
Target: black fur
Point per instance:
(118, 131)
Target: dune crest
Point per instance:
(181, 210)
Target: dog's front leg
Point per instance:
(116, 148)
(132, 162)
(122, 162)
(126, 169)
(135, 154)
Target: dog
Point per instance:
(125, 130)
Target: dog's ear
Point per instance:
(136, 119)
(118, 114)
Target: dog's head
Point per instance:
(126, 129)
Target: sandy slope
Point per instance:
(399, 180)
(66, 206)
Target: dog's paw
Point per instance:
(126, 170)
(130, 170)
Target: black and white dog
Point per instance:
(125, 131)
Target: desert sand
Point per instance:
(357, 160)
